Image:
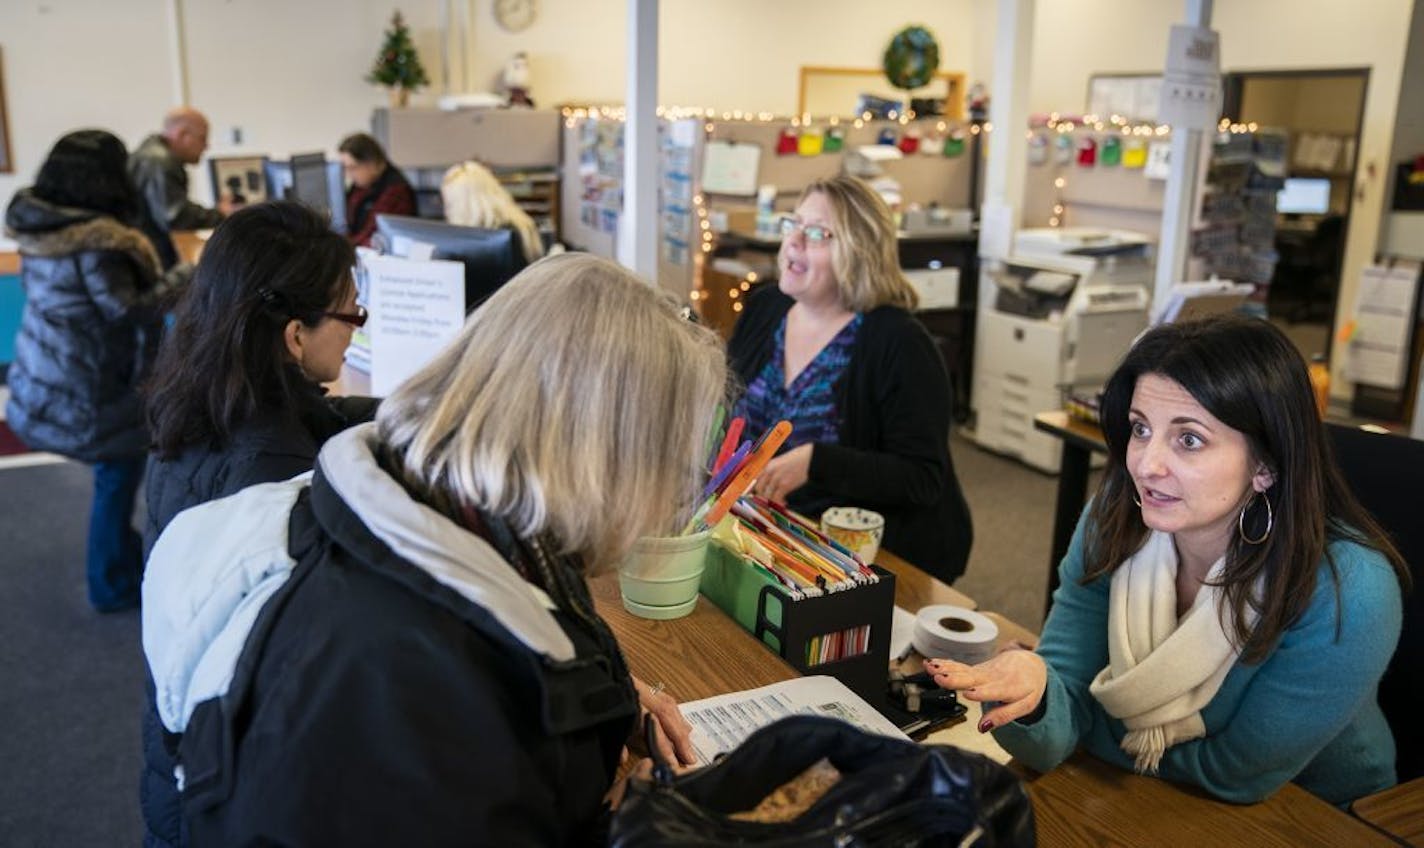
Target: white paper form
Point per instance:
(723, 722)
(416, 309)
(1384, 313)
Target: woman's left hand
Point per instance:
(674, 732)
(785, 474)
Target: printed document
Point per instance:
(721, 723)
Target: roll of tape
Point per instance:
(944, 631)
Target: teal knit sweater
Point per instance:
(1308, 713)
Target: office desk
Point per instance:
(1398, 812)
(1080, 441)
(1088, 802)
(189, 243)
(1083, 802)
(707, 653)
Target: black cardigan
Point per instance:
(893, 457)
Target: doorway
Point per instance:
(1321, 111)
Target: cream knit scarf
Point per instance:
(1161, 671)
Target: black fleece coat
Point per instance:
(94, 299)
(274, 445)
(373, 705)
(893, 456)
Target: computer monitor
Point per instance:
(1304, 197)
(490, 256)
(277, 174)
(318, 183)
(325, 194)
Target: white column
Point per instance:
(638, 226)
(1008, 115)
(178, 52)
(1180, 204)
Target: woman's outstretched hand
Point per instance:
(1015, 678)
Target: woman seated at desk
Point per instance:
(833, 349)
(1227, 608)
(472, 197)
(377, 187)
(421, 663)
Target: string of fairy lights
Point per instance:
(1055, 122)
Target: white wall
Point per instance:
(727, 54)
(71, 64)
(289, 73)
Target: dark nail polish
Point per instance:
(985, 726)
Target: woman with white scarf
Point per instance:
(1226, 608)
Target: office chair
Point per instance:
(1383, 470)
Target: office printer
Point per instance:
(1058, 314)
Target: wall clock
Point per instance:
(515, 15)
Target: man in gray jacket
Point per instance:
(158, 171)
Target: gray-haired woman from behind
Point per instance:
(403, 648)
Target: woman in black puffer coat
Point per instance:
(236, 398)
(94, 297)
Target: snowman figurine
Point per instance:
(516, 81)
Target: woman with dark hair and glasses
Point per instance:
(94, 299)
(236, 398)
(833, 349)
(1227, 608)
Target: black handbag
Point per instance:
(890, 792)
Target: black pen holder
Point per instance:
(857, 621)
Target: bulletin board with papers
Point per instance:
(730, 167)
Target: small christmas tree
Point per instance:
(398, 65)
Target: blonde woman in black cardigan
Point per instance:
(834, 349)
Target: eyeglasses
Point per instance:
(356, 319)
(813, 233)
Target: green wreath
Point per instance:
(912, 58)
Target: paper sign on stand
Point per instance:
(1384, 314)
(416, 309)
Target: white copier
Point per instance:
(1058, 314)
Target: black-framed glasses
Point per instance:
(356, 319)
(813, 233)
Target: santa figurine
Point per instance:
(516, 81)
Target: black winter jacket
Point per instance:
(162, 179)
(94, 299)
(274, 445)
(893, 456)
(403, 687)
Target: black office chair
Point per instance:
(1384, 471)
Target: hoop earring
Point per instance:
(1241, 521)
(1137, 501)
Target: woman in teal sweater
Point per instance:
(1226, 608)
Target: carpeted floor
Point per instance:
(71, 686)
(71, 680)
